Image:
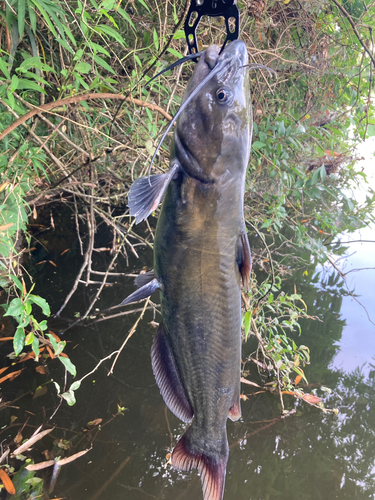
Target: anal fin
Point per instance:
(244, 257)
(168, 378)
(142, 293)
(146, 193)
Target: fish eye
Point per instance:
(224, 96)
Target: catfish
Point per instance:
(201, 253)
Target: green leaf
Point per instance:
(323, 172)
(16, 308)
(371, 130)
(21, 11)
(42, 303)
(46, 17)
(68, 365)
(83, 67)
(156, 40)
(315, 177)
(103, 64)
(4, 68)
(142, 2)
(53, 341)
(97, 48)
(75, 385)
(126, 16)
(28, 85)
(16, 281)
(258, 145)
(35, 346)
(35, 62)
(32, 16)
(64, 44)
(14, 84)
(179, 34)
(174, 52)
(18, 341)
(29, 338)
(69, 397)
(247, 323)
(102, 28)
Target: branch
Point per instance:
(79, 98)
(348, 17)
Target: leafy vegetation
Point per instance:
(76, 124)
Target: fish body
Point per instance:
(200, 252)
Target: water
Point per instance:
(309, 455)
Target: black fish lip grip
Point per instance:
(212, 8)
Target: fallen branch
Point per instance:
(79, 98)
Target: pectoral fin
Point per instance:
(244, 258)
(168, 378)
(146, 193)
(142, 293)
(144, 278)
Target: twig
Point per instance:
(110, 479)
(54, 127)
(75, 285)
(129, 335)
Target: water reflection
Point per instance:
(307, 456)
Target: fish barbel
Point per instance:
(201, 251)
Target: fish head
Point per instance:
(213, 132)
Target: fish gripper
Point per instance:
(212, 8)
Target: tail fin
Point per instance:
(210, 458)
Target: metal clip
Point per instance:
(213, 8)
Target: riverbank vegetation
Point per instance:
(77, 126)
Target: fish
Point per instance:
(201, 254)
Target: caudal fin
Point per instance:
(210, 458)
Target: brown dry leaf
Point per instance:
(24, 286)
(67, 460)
(2, 370)
(40, 391)
(7, 482)
(63, 461)
(11, 376)
(66, 250)
(3, 339)
(40, 465)
(95, 422)
(51, 262)
(311, 399)
(292, 393)
(31, 441)
(4, 185)
(41, 369)
(6, 226)
(52, 356)
(298, 379)
(63, 355)
(245, 381)
(18, 438)
(31, 355)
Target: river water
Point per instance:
(308, 455)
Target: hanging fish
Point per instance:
(201, 251)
